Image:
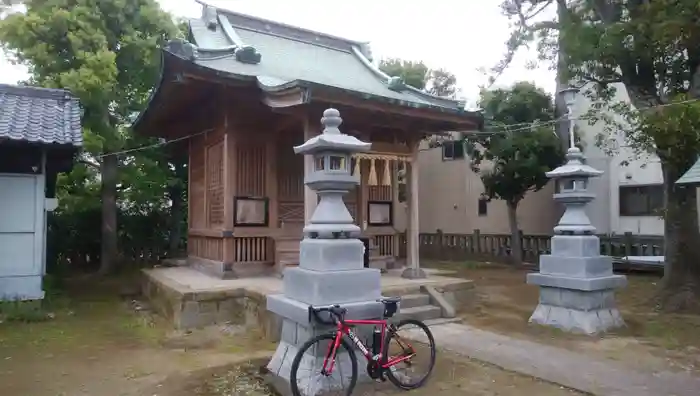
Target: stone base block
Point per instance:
(575, 246)
(339, 287)
(577, 299)
(331, 254)
(295, 334)
(572, 283)
(314, 384)
(576, 267)
(298, 312)
(577, 321)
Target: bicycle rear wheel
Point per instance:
(403, 374)
(310, 359)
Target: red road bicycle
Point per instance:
(381, 362)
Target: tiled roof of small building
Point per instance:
(40, 115)
(280, 55)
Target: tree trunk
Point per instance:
(681, 281)
(109, 169)
(516, 245)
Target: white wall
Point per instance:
(604, 212)
(22, 236)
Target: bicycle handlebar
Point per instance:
(336, 314)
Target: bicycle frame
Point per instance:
(344, 328)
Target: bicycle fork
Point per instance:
(329, 361)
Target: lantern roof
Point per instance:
(332, 139)
(574, 166)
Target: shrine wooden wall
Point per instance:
(206, 195)
(290, 178)
(234, 161)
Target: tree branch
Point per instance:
(518, 38)
(89, 163)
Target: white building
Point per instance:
(630, 193)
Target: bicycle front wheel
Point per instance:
(415, 359)
(309, 376)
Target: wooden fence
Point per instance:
(496, 247)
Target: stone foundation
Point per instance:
(222, 270)
(577, 311)
(293, 336)
(188, 310)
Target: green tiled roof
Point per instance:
(692, 176)
(279, 55)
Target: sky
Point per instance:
(461, 36)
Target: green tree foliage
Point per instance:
(442, 83)
(438, 82)
(414, 74)
(105, 52)
(511, 164)
(652, 49)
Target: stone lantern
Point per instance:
(577, 284)
(331, 258)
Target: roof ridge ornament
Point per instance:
(366, 50)
(248, 54)
(244, 53)
(209, 15)
(396, 83)
(182, 48)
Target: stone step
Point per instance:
(422, 313)
(414, 300)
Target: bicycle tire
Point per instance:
(308, 344)
(433, 354)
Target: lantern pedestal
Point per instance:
(577, 287)
(576, 283)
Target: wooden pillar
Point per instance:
(229, 176)
(362, 216)
(311, 129)
(271, 181)
(395, 202)
(413, 270)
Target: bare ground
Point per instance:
(652, 340)
(100, 340)
(453, 375)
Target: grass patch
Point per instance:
(23, 311)
(88, 313)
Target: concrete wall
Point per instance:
(449, 194)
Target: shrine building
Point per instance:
(240, 93)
